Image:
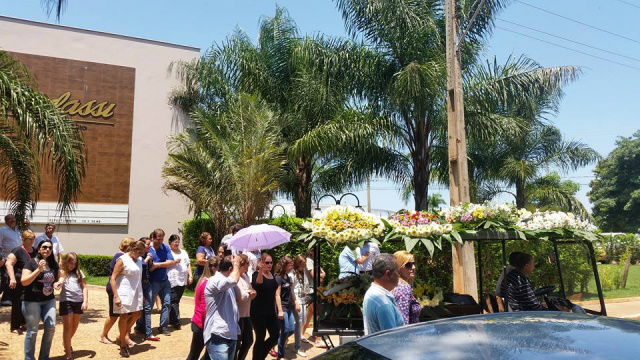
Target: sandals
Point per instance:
(124, 351)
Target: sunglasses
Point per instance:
(46, 247)
(268, 262)
(409, 265)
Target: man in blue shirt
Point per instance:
(380, 311)
(349, 261)
(160, 285)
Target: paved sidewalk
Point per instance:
(626, 308)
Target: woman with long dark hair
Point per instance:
(200, 310)
(38, 277)
(179, 276)
(263, 308)
(285, 302)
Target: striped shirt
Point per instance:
(519, 292)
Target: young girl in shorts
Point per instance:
(73, 299)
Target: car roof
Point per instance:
(548, 335)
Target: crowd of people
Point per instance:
(239, 297)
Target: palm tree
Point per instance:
(518, 162)
(327, 141)
(228, 162)
(34, 134)
(399, 71)
(54, 6)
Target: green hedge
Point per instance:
(95, 265)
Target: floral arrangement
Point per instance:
(482, 215)
(548, 220)
(418, 224)
(344, 224)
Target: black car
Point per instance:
(520, 335)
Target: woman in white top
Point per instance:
(309, 311)
(126, 282)
(74, 298)
(179, 276)
(244, 295)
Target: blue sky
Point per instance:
(597, 108)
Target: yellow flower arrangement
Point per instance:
(344, 224)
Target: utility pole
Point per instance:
(464, 261)
(369, 193)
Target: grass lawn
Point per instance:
(633, 283)
(102, 281)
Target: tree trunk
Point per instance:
(302, 187)
(421, 170)
(521, 199)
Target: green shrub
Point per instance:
(616, 246)
(191, 230)
(95, 265)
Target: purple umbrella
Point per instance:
(259, 237)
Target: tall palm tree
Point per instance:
(56, 7)
(520, 162)
(327, 140)
(33, 134)
(399, 70)
(228, 162)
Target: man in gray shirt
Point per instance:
(221, 327)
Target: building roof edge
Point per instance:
(96, 32)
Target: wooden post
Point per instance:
(625, 274)
(464, 262)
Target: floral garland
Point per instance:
(418, 224)
(549, 220)
(344, 224)
(482, 215)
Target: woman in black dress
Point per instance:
(263, 308)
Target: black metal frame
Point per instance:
(503, 237)
(490, 235)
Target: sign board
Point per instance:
(85, 214)
(99, 98)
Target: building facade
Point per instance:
(116, 88)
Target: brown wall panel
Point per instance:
(108, 140)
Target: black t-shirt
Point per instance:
(41, 289)
(265, 301)
(22, 258)
(285, 291)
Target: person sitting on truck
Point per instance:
(517, 288)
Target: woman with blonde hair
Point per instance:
(74, 298)
(126, 282)
(407, 304)
(200, 310)
(113, 317)
(17, 259)
(244, 295)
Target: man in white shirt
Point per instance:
(9, 239)
(49, 229)
(370, 248)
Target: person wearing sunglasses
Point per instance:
(263, 308)
(38, 278)
(405, 300)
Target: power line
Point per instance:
(578, 22)
(630, 4)
(568, 48)
(570, 40)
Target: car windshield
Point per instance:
(546, 335)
